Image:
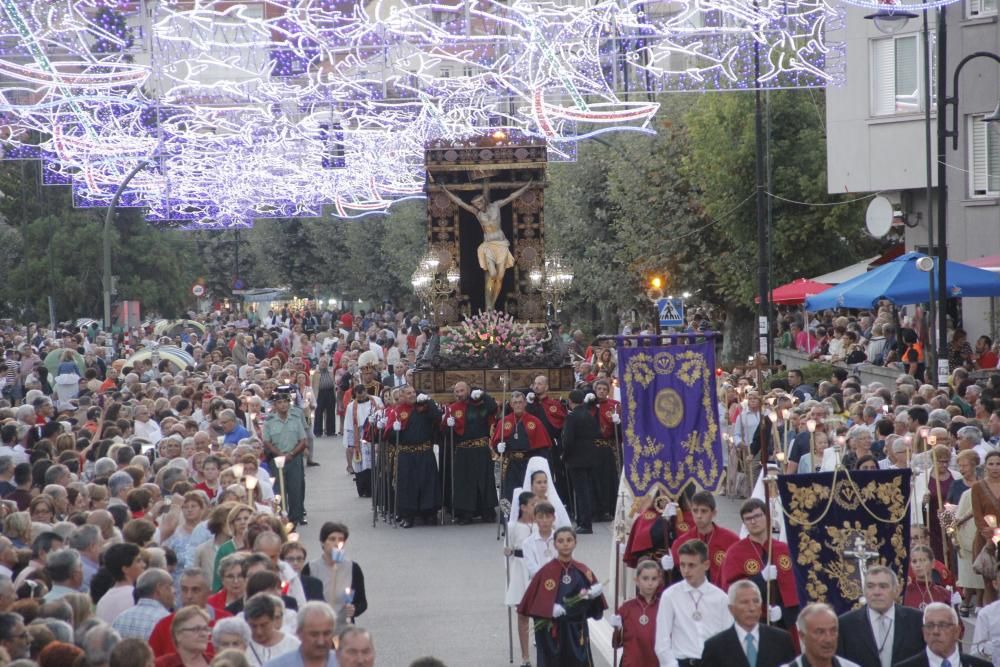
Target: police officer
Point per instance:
(285, 435)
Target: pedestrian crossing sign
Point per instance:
(671, 312)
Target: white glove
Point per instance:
(770, 573)
(451, 421)
(774, 614)
(616, 418)
(382, 422)
(530, 397)
(397, 425)
(670, 511)
(595, 591)
(615, 621)
(423, 398)
(558, 610)
(476, 394)
(956, 599)
(501, 447)
(589, 398)
(667, 562)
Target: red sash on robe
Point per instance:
(540, 596)
(400, 413)
(719, 542)
(604, 411)
(458, 410)
(743, 561)
(555, 411)
(538, 437)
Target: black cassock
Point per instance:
(417, 487)
(475, 485)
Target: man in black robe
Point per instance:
(411, 428)
(468, 421)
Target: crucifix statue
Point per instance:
(494, 252)
(862, 554)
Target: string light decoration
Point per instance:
(900, 5)
(279, 108)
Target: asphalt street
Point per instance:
(435, 590)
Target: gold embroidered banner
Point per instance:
(833, 518)
(671, 432)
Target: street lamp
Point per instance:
(943, 133)
(889, 20)
(108, 218)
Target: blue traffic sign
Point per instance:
(671, 312)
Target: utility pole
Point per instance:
(763, 274)
(108, 219)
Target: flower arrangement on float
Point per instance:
(491, 337)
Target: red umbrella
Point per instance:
(796, 292)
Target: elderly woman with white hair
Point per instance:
(859, 443)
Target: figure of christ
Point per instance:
(494, 252)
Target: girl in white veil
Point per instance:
(546, 491)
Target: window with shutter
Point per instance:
(897, 75)
(984, 160)
(978, 8)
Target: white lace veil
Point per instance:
(541, 464)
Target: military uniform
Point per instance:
(284, 436)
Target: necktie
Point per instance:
(751, 650)
(946, 663)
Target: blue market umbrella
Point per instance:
(901, 282)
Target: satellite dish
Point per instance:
(878, 218)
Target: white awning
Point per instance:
(846, 273)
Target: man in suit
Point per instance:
(818, 628)
(579, 432)
(732, 648)
(942, 632)
(880, 633)
(397, 378)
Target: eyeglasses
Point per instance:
(935, 627)
(233, 577)
(198, 629)
(295, 559)
(754, 517)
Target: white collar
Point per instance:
(741, 634)
(933, 660)
(873, 615)
(688, 588)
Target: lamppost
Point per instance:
(433, 286)
(943, 134)
(108, 219)
(552, 280)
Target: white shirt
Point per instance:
(935, 661)
(987, 630)
(258, 654)
(678, 634)
(837, 660)
(884, 638)
(746, 426)
(537, 552)
(16, 452)
(148, 430)
(364, 409)
(114, 603)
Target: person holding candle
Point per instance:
(938, 481)
(412, 426)
(519, 438)
(342, 578)
(285, 437)
(635, 622)
(985, 509)
(562, 595)
(468, 421)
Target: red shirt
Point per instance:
(217, 601)
(174, 660)
(719, 541)
(201, 486)
(162, 642)
(638, 640)
(987, 360)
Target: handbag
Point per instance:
(985, 563)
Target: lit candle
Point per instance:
(811, 425)
(990, 520)
(279, 461)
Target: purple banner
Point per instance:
(670, 425)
